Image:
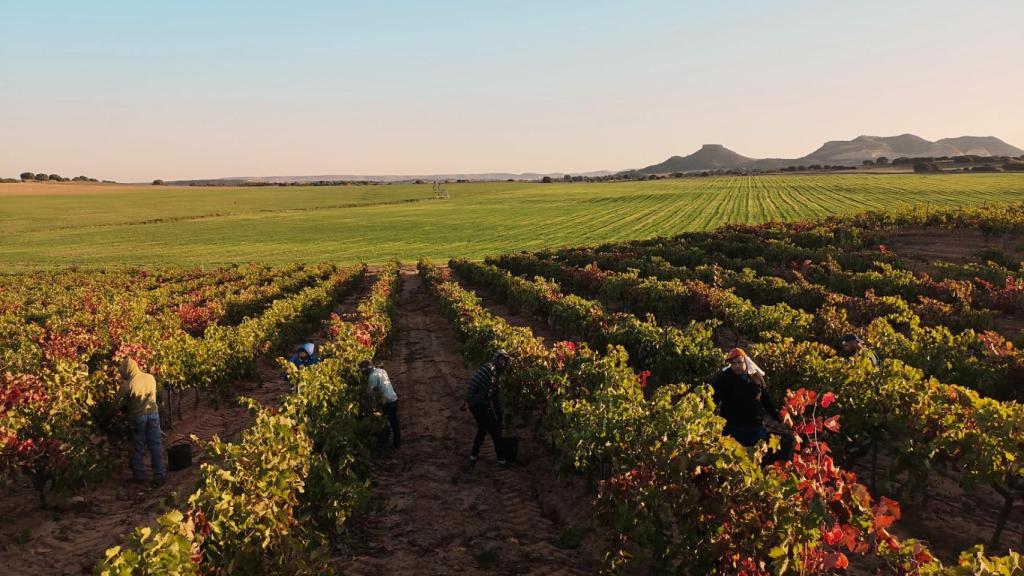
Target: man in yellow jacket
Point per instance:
(138, 390)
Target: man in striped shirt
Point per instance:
(483, 398)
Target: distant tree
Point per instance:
(56, 178)
(158, 182)
(28, 176)
(1014, 166)
(42, 177)
(925, 167)
(546, 179)
(567, 178)
(881, 161)
(868, 162)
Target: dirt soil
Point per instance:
(72, 536)
(956, 246)
(949, 519)
(435, 514)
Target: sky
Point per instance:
(133, 91)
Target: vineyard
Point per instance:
(911, 465)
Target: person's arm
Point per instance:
(717, 392)
(123, 393)
(372, 385)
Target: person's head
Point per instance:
(501, 359)
(129, 369)
(737, 359)
(306, 351)
(366, 367)
(852, 343)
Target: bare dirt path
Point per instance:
(72, 536)
(433, 513)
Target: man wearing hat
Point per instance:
(742, 398)
(855, 348)
(483, 398)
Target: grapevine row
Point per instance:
(272, 503)
(49, 418)
(673, 485)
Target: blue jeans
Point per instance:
(147, 434)
(747, 435)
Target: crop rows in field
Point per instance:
(946, 423)
(894, 407)
(670, 484)
(275, 499)
(59, 379)
(478, 219)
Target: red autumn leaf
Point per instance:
(832, 424)
(827, 399)
(833, 536)
(837, 561)
(921, 556)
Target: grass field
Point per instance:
(45, 225)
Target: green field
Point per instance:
(96, 226)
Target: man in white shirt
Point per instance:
(380, 389)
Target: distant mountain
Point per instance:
(839, 152)
(709, 157)
(982, 146)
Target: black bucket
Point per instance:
(509, 449)
(179, 456)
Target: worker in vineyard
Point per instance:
(483, 398)
(856, 348)
(305, 356)
(742, 398)
(138, 394)
(380, 390)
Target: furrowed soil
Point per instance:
(72, 535)
(433, 513)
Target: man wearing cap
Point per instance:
(483, 398)
(855, 348)
(380, 389)
(742, 399)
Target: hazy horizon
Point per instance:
(133, 92)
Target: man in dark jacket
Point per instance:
(483, 398)
(742, 399)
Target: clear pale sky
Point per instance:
(134, 91)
